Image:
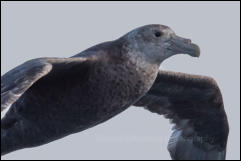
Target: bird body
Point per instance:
(76, 99)
(50, 98)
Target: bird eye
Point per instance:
(158, 34)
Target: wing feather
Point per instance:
(195, 105)
(17, 81)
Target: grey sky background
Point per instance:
(62, 29)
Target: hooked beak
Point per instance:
(181, 45)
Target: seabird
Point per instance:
(46, 99)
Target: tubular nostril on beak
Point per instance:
(188, 41)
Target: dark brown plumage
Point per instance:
(50, 98)
(195, 105)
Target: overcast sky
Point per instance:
(62, 29)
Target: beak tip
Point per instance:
(197, 51)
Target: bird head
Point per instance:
(157, 43)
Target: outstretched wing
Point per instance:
(17, 81)
(195, 106)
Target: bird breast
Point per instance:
(117, 86)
